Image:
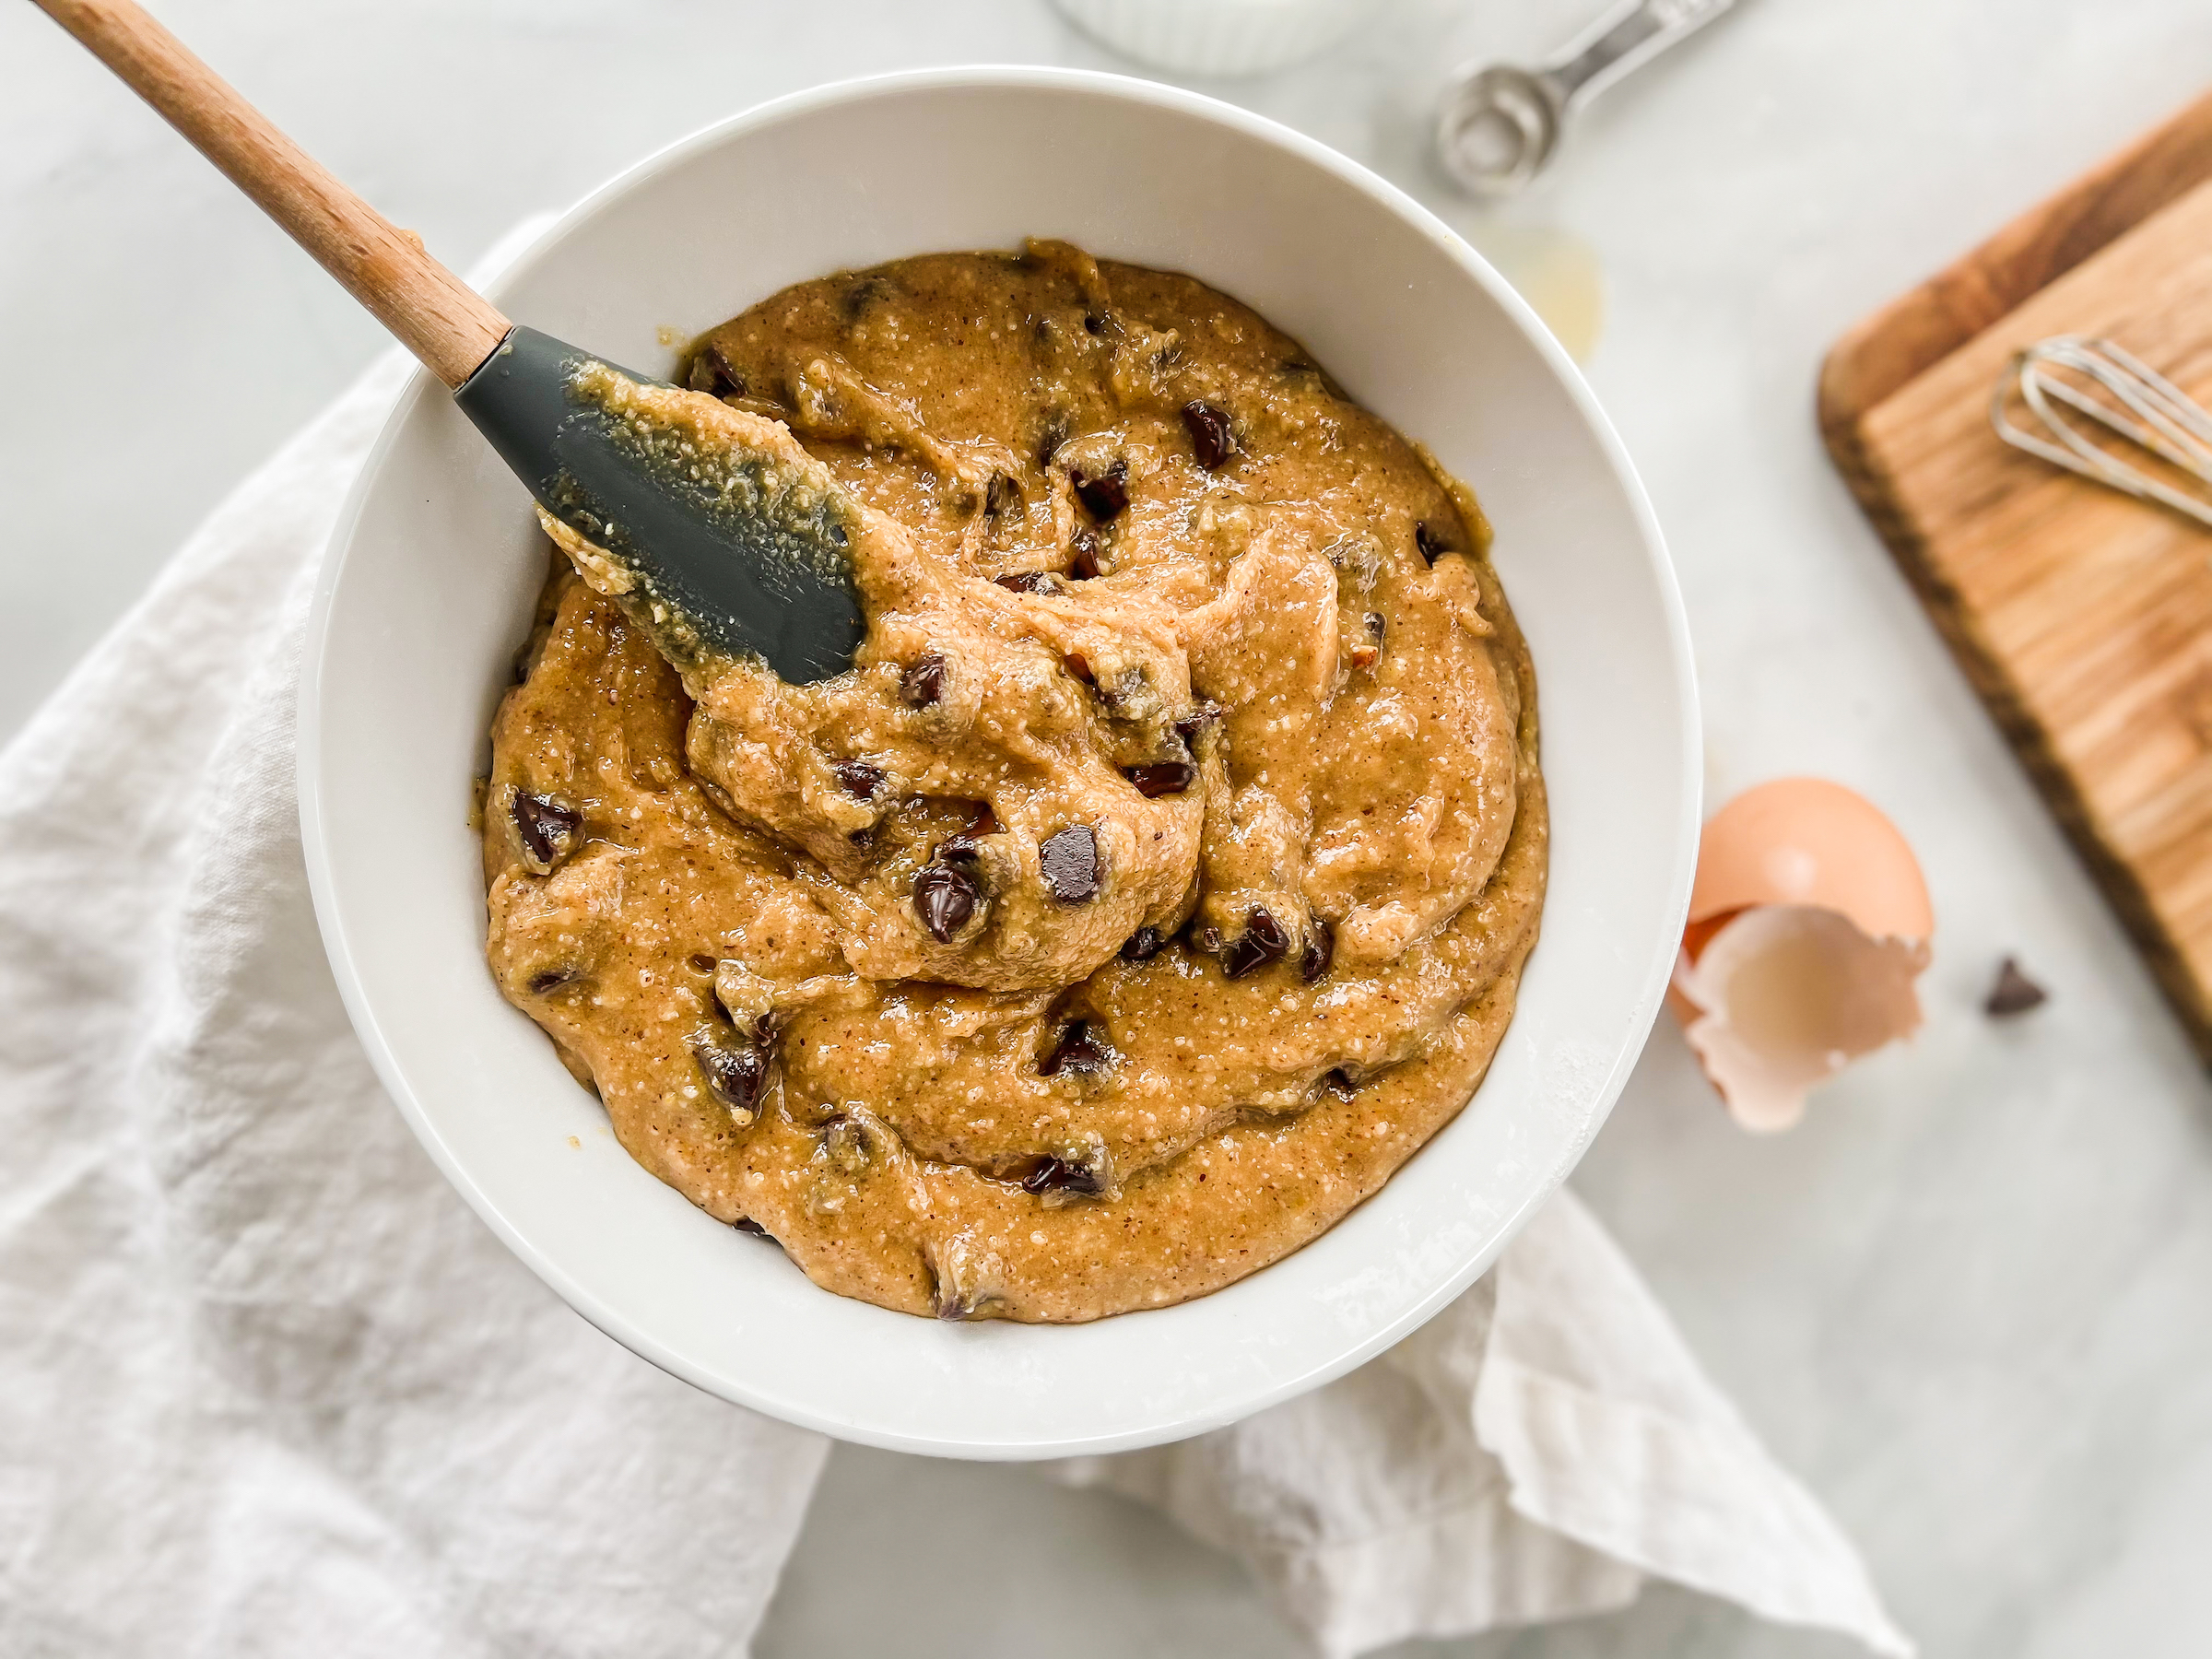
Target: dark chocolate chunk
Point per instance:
(1028, 582)
(1339, 1083)
(710, 373)
(1103, 495)
(1050, 439)
(1083, 554)
(1094, 323)
(1058, 1175)
(746, 1224)
(546, 827)
(943, 897)
(552, 980)
(963, 847)
(1143, 945)
(1320, 950)
(924, 683)
(1263, 942)
(702, 962)
(1069, 861)
(2013, 993)
(859, 778)
(1433, 541)
(1079, 667)
(1077, 1050)
(1211, 441)
(1188, 726)
(735, 1074)
(1162, 777)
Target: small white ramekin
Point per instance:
(1217, 37)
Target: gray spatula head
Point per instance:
(750, 564)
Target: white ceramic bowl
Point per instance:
(429, 589)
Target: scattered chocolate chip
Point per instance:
(1077, 1050)
(1050, 439)
(1320, 950)
(1143, 945)
(710, 373)
(1339, 1083)
(702, 962)
(1057, 1175)
(736, 1073)
(746, 1224)
(1094, 323)
(1104, 495)
(1162, 777)
(1263, 942)
(1188, 726)
(1079, 667)
(962, 846)
(1432, 541)
(2013, 993)
(546, 827)
(862, 292)
(1208, 940)
(1083, 555)
(1028, 582)
(943, 897)
(1211, 441)
(552, 980)
(924, 683)
(859, 778)
(1069, 861)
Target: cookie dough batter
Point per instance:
(1158, 881)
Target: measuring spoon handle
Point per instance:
(1623, 40)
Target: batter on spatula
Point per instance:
(1157, 882)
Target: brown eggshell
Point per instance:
(1807, 841)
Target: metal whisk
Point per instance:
(2144, 408)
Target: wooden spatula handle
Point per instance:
(433, 313)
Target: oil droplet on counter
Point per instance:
(1556, 271)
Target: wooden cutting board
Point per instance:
(2083, 617)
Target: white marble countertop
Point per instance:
(1970, 1300)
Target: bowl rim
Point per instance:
(321, 876)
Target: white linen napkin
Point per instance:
(268, 1387)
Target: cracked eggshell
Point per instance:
(1809, 922)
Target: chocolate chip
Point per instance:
(859, 778)
(1083, 557)
(924, 683)
(710, 373)
(746, 1224)
(1162, 777)
(1069, 861)
(1320, 950)
(702, 962)
(1339, 1083)
(943, 897)
(1000, 495)
(735, 1074)
(1057, 1175)
(1079, 667)
(552, 980)
(1143, 945)
(1094, 323)
(1188, 726)
(2013, 993)
(1263, 942)
(1050, 439)
(1030, 582)
(1077, 1050)
(1104, 495)
(1432, 540)
(546, 827)
(1211, 441)
(963, 847)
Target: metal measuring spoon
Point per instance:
(1498, 125)
(739, 552)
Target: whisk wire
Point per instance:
(2170, 424)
